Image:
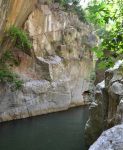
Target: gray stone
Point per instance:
(54, 74)
(111, 139)
(108, 110)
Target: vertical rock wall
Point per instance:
(107, 109)
(57, 72)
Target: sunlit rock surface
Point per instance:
(57, 72)
(14, 12)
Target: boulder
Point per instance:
(111, 139)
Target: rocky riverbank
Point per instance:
(106, 112)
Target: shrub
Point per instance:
(8, 58)
(75, 8)
(21, 39)
(7, 76)
(17, 84)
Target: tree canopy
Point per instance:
(107, 18)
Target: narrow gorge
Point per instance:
(56, 70)
(61, 61)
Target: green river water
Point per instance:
(56, 131)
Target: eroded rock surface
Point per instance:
(107, 110)
(14, 12)
(111, 139)
(57, 71)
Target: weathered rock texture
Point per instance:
(111, 139)
(14, 12)
(57, 72)
(107, 109)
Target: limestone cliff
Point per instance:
(107, 111)
(57, 71)
(14, 12)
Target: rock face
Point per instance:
(99, 73)
(13, 12)
(107, 109)
(56, 74)
(97, 115)
(111, 139)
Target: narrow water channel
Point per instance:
(56, 131)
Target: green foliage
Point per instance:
(74, 7)
(6, 75)
(17, 84)
(66, 2)
(20, 38)
(80, 13)
(8, 58)
(98, 13)
(62, 2)
(107, 17)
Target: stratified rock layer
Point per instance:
(56, 73)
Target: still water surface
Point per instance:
(56, 131)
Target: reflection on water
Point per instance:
(56, 131)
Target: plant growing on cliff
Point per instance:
(73, 6)
(6, 75)
(8, 59)
(20, 38)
